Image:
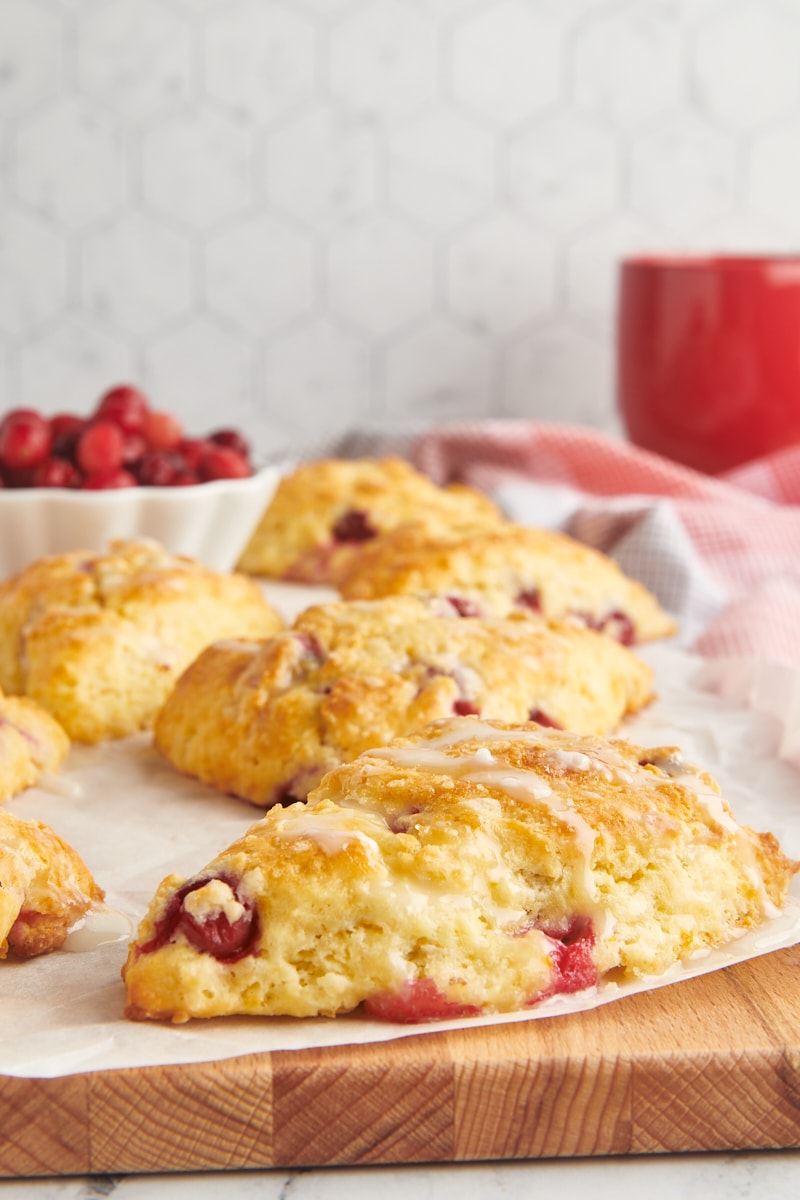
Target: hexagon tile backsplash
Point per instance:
(308, 217)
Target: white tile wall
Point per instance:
(308, 217)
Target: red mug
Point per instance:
(708, 356)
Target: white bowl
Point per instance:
(211, 522)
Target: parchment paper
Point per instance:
(134, 820)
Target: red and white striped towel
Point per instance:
(721, 553)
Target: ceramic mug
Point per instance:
(708, 356)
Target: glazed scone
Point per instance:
(266, 720)
(324, 512)
(511, 567)
(476, 867)
(98, 640)
(31, 742)
(45, 888)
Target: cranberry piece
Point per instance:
(530, 598)
(464, 607)
(465, 708)
(103, 481)
(354, 526)
(226, 940)
(125, 405)
(217, 935)
(616, 624)
(541, 718)
(100, 447)
(56, 472)
(65, 429)
(312, 647)
(221, 463)
(161, 430)
(417, 1000)
(572, 957)
(25, 439)
(231, 439)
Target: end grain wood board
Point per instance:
(712, 1063)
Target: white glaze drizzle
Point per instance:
(331, 831)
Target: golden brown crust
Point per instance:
(31, 741)
(99, 639)
(295, 538)
(266, 720)
(482, 864)
(45, 888)
(509, 567)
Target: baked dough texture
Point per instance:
(45, 888)
(507, 568)
(475, 867)
(324, 513)
(31, 742)
(266, 720)
(98, 640)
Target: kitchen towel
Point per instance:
(722, 553)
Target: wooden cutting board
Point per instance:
(711, 1063)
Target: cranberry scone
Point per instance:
(324, 512)
(31, 743)
(476, 867)
(98, 640)
(507, 568)
(266, 720)
(45, 888)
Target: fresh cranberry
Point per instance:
(65, 429)
(193, 451)
(133, 447)
(56, 472)
(530, 598)
(25, 439)
(126, 406)
(465, 708)
(225, 940)
(161, 430)
(100, 448)
(102, 481)
(159, 468)
(231, 439)
(353, 526)
(222, 463)
(541, 718)
(18, 478)
(417, 1000)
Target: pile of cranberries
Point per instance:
(124, 442)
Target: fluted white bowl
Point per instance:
(211, 522)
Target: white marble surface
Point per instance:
(773, 1174)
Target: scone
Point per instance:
(45, 888)
(99, 639)
(511, 567)
(265, 721)
(31, 742)
(324, 511)
(476, 867)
